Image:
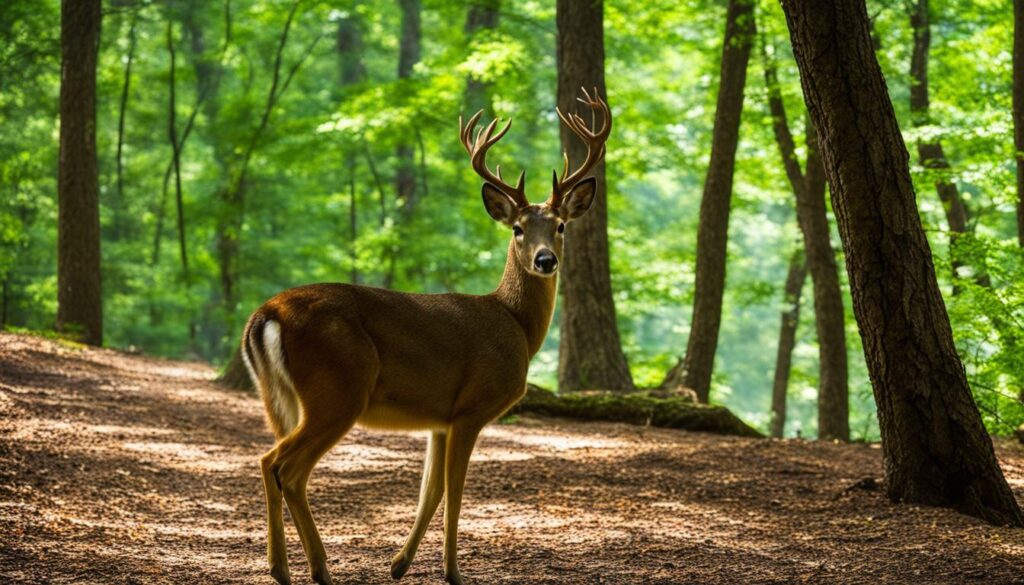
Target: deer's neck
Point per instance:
(529, 298)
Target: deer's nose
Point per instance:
(545, 261)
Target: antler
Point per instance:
(594, 140)
(477, 148)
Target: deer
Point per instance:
(326, 357)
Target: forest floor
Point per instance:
(116, 468)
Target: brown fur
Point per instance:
(328, 356)
(446, 363)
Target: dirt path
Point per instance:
(123, 469)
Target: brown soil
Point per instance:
(123, 469)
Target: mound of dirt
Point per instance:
(126, 469)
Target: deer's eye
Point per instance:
(561, 227)
(517, 231)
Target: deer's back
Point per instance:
(433, 357)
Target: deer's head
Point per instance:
(538, 230)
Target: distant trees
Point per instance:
(808, 186)
(590, 353)
(79, 299)
(694, 370)
(1018, 110)
(409, 50)
(795, 277)
(935, 447)
(481, 16)
(930, 151)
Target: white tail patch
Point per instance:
(279, 391)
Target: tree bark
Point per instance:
(930, 151)
(590, 353)
(1018, 110)
(829, 315)
(694, 370)
(481, 16)
(79, 298)
(787, 339)
(935, 447)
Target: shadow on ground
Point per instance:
(125, 469)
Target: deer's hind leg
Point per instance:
(332, 402)
(277, 554)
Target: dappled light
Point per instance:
(176, 494)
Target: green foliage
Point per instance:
(328, 146)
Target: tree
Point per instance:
(1018, 110)
(930, 152)
(590, 352)
(790, 317)
(935, 448)
(79, 299)
(481, 16)
(829, 317)
(694, 370)
(123, 109)
(408, 56)
(352, 70)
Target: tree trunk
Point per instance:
(352, 70)
(787, 339)
(172, 135)
(408, 57)
(1018, 110)
(349, 45)
(930, 151)
(829, 315)
(122, 111)
(79, 299)
(481, 16)
(694, 371)
(590, 353)
(935, 447)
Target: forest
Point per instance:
(318, 143)
(793, 234)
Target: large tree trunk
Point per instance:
(79, 299)
(590, 353)
(936, 450)
(829, 316)
(1018, 110)
(694, 371)
(930, 151)
(481, 16)
(790, 318)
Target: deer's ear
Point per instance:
(579, 200)
(499, 206)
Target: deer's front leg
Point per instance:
(460, 446)
(431, 490)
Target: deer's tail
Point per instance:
(264, 356)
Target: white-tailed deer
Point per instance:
(328, 356)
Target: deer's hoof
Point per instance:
(399, 565)
(323, 577)
(280, 574)
(453, 577)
